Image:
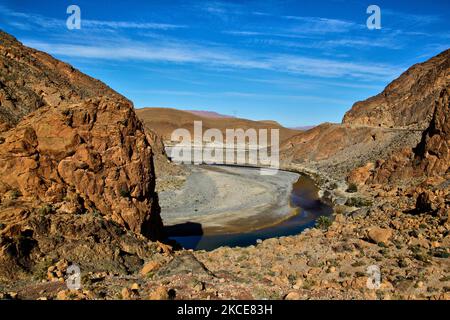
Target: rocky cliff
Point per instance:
(76, 167)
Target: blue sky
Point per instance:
(297, 62)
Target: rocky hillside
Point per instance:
(77, 179)
(431, 156)
(384, 126)
(408, 100)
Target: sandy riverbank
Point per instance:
(229, 199)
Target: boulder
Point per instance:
(379, 235)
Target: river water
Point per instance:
(304, 198)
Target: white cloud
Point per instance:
(217, 57)
(242, 94)
(30, 19)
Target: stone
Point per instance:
(149, 267)
(298, 284)
(360, 175)
(185, 263)
(379, 235)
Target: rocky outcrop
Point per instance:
(336, 150)
(89, 158)
(408, 100)
(96, 150)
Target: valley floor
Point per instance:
(225, 199)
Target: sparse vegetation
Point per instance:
(358, 264)
(96, 213)
(333, 186)
(440, 253)
(421, 257)
(360, 274)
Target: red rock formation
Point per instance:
(76, 167)
(96, 149)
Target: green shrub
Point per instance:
(352, 188)
(323, 222)
(440, 253)
(358, 202)
(40, 269)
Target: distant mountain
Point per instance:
(209, 114)
(165, 120)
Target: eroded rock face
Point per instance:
(403, 131)
(96, 150)
(360, 175)
(433, 152)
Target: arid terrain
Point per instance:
(81, 169)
